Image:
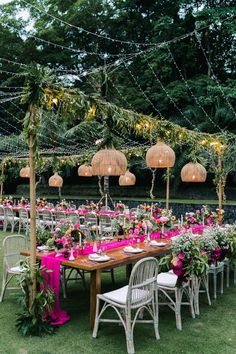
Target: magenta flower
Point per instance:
(181, 255)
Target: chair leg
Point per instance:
(214, 284)
(129, 335)
(206, 285)
(196, 288)
(96, 322)
(227, 275)
(4, 285)
(178, 298)
(156, 316)
(222, 282)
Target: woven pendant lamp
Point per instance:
(160, 156)
(128, 179)
(85, 171)
(193, 172)
(25, 172)
(55, 180)
(109, 162)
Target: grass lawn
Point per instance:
(213, 332)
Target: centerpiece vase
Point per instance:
(71, 258)
(95, 247)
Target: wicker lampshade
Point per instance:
(160, 156)
(128, 179)
(193, 172)
(25, 172)
(55, 181)
(109, 162)
(85, 171)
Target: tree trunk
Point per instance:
(32, 210)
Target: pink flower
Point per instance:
(76, 226)
(198, 211)
(181, 255)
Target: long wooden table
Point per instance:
(118, 258)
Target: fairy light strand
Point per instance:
(213, 74)
(191, 92)
(81, 29)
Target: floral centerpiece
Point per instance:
(120, 206)
(187, 257)
(66, 237)
(211, 217)
(193, 218)
(220, 237)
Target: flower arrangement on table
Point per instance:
(65, 237)
(193, 218)
(156, 210)
(211, 217)
(7, 201)
(220, 237)
(187, 257)
(63, 204)
(23, 202)
(145, 207)
(165, 220)
(120, 206)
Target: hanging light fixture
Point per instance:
(128, 179)
(109, 162)
(25, 172)
(193, 172)
(160, 156)
(85, 171)
(55, 181)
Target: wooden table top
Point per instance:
(118, 257)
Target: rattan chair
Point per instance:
(12, 245)
(130, 301)
(171, 294)
(24, 220)
(10, 219)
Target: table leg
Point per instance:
(95, 288)
(128, 270)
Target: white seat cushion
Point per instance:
(120, 295)
(168, 279)
(16, 269)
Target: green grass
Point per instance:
(211, 332)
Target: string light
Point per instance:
(81, 29)
(141, 90)
(191, 92)
(197, 36)
(12, 62)
(169, 96)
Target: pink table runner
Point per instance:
(58, 316)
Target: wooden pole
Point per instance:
(32, 209)
(167, 188)
(220, 189)
(1, 186)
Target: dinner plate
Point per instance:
(159, 244)
(42, 248)
(130, 249)
(96, 258)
